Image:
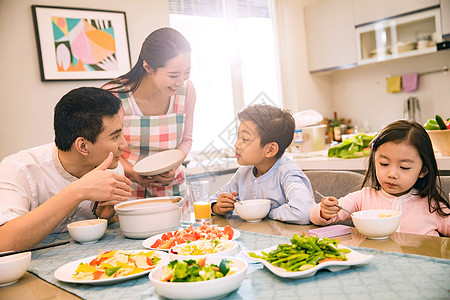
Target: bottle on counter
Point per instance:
(336, 125)
(349, 126)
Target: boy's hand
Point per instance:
(328, 208)
(225, 203)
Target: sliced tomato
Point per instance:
(98, 274)
(201, 262)
(228, 230)
(189, 237)
(167, 244)
(157, 244)
(149, 261)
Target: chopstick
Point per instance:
(318, 193)
(94, 208)
(35, 248)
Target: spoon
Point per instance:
(237, 200)
(318, 193)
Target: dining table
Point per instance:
(404, 266)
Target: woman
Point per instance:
(158, 105)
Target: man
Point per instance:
(42, 189)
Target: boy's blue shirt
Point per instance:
(284, 184)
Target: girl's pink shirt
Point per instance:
(416, 217)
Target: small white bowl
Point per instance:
(140, 219)
(176, 252)
(376, 223)
(87, 231)
(12, 267)
(252, 210)
(201, 289)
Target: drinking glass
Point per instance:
(199, 195)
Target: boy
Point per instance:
(42, 189)
(263, 135)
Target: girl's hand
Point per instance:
(225, 203)
(328, 208)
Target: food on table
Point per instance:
(304, 253)
(117, 263)
(196, 270)
(437, 123)
(354, 147)
(384, 215)
(203, 247)
(204, 232)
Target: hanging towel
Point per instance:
(394, 84)
(410, 82)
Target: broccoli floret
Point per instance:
(225, 266)
(180, 270)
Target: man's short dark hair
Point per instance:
(273, 125)
(80, 113)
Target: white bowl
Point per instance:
(176, 252)
(376, 223)
(201, 289)
(252, 210)
(12, 267)
(143, 218)
(87, 231)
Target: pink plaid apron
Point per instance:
(150, 134)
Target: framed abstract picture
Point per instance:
(81, 44)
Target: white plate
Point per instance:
(65, 272)
(354, 259)
(159, 162)
(151, 240)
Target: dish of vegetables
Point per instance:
(306, 255)
(207, 278)
(111, 266)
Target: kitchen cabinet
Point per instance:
(366, 11)
(445, 18)
(392, 38)
(330, 35)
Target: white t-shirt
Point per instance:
(31, 177)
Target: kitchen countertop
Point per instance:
(306, 161)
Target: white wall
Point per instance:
(26, 103)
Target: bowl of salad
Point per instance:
(209, 277)
(202, 248)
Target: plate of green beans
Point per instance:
(306, 255)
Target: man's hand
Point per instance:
(107, 187)
(225, 203)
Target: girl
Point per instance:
(158, 102)
(401, 175)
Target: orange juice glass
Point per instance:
(199, 195)
(202, 210)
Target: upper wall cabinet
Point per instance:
(445, 18)
(397, 37)
(330, 35)
(367, 11)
